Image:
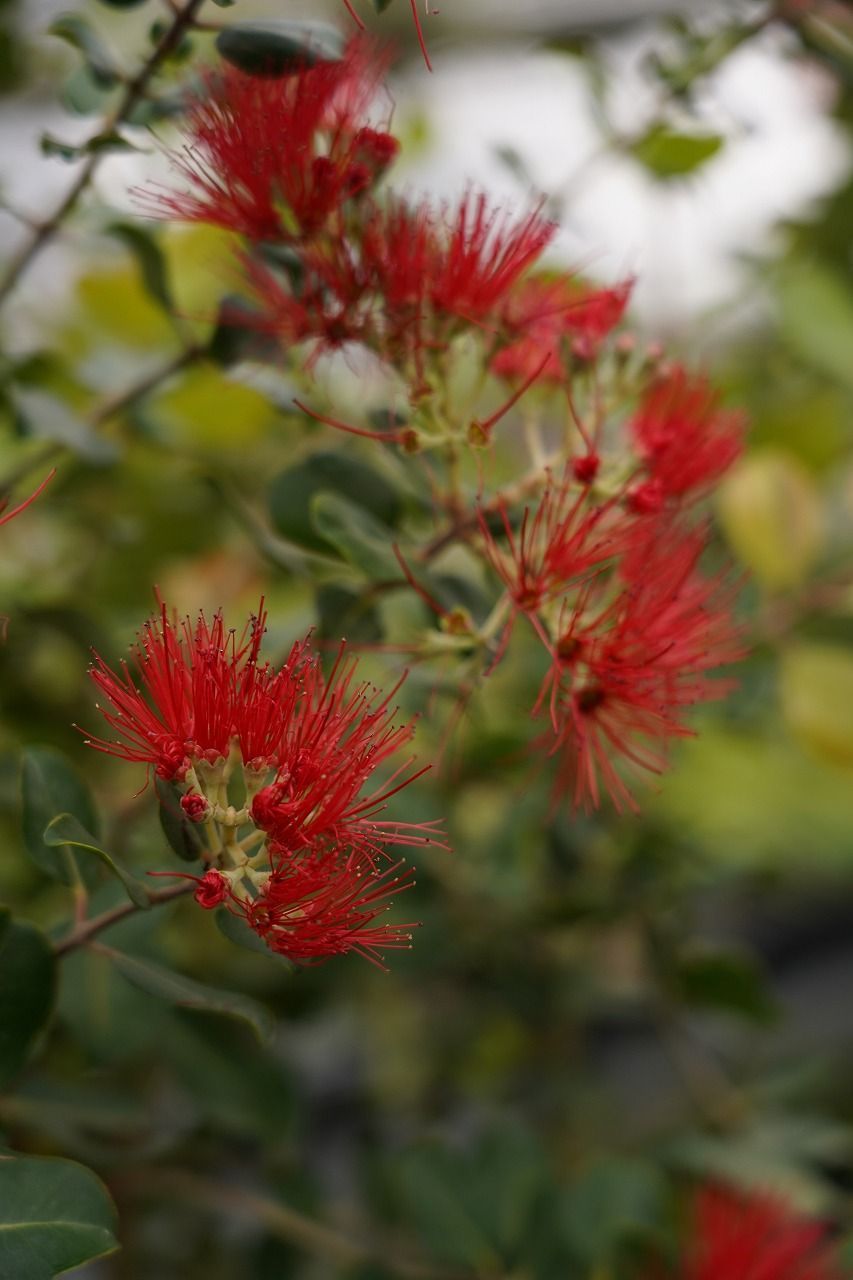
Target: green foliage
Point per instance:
(65, 831)
(188, 994)
(356, 535)
(293, 491)
(729, 981)
(100, 63)
(50, 787)
(278, 47)
(669, 155)
(184, 837)
(54, 1215)
(27, 991)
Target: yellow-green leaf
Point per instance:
(771, 512)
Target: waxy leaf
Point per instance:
(54, 1215)
(99, 61)
(277, 48)
(65, 829)
(50, 787)
(356, 535)
(27, 992)
(667, 154)
(189, 994)
(185, 838)
(292, 492)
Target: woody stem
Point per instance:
(85, 930)
(134, 92)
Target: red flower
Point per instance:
(753, 1238)
(554, 317)
(202, 688)
(339, 733)
(324, 903)
(624, 670)
(212, 889)
(274, 158)
(430, 266)
(565, 539)
(685, 439)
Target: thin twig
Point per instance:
(83, 932)
(133, 94)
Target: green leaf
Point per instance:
(342, 612)
(667, 154)
(293, 490)
(614, 1200)
(238, 335)
(726, 980)
(186, 993)
(65, 829)
(83, 96)
(771, 512)
(27, 992)
(186, 839)
(149, 259)
(235, 929)
(49, 418)
(277, 48)
(816, 683)
(49, 786)
(123, 4)
(381, 5)
(54, 1215)
(356, 535)
(77, 32)
(816, 319)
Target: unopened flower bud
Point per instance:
(213, 888)
(586, 468)
(195, 806)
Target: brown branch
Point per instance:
(134, 92)
(83, 932)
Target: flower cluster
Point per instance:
(599, 546)
(753, 1238)
(276, 765)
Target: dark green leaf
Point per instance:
(83, 95)
(728, 981)
(292, 492)
(27, 991)
(54, 1215)
(150, 110)
(235, 929)
(189, 994)
(615, 1199)
(668, 154)
(123, 4)
(238, 335)
(149, 259)
(277, 48)
(69, 152)
(356, 535)
(77, 32)
(65, 829)
(381, 5)
(50, 787)
(343, 613)
(185, 838)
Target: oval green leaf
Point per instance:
(279, 48)
(668, 155)
(356, 535)
(293, 490)
(65, 829)
(771, 513)
(49, 786)
(186, 993)
(27, 992)
(54, 1215)
(816, 683)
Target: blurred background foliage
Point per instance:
(596, 1008)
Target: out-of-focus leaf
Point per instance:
(123, 4)
(49, 419)
(816, 319)
(82, 95)
(292, 493)
(279, 47)
(27, 991)
(725, 980)
(149, 259)
(186, 839)
(614, 1200)
(771, 512)
(65, 829)
(345, 614)
(816, 682)
(54, 1215)
(51, 787)
(667, 154)
(189, 994)
(76, 31)
(356, 535)
(69, 152)
(235, 929)
(381, 5)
